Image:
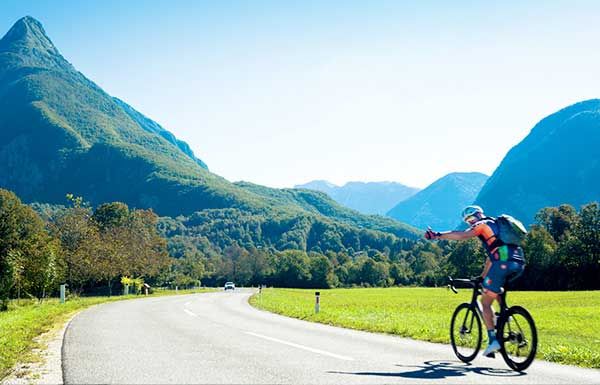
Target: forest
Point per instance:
(98, 250)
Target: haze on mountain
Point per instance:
(439, 205)
(558, 162)
(365, 197)
(60, 133)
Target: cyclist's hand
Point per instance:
(478, 279)
(430, 234)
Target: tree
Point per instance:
(558, 221)
(290, 269)
(321, 271)
(42, 267)
(543, 270)
(113, 214)
(81, 246)
(28, 255)
(466, 259)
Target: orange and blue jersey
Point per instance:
(487, 231)
(507, 260)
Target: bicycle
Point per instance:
(515, 329)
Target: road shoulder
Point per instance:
(45, 362)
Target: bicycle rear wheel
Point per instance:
(465, 332)
(518, 338)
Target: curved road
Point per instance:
(218, 338)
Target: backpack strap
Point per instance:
(496, 242)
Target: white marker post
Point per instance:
(63, 289)
(317, 301)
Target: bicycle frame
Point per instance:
(477, 291)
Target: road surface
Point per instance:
(218, 338)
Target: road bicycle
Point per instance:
(515, 329)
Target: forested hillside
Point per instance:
(556, 163)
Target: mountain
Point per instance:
(367, 198)
(558, 162)
(60, 133)
(153, 127)
(439, 205)
(319, 203)
(320, 185)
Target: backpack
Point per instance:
(510, 230)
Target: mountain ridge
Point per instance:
(439, 204)
(554, 164)
(372, 198)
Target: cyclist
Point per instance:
(502, 261)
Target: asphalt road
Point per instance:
(217, 338)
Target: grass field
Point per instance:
(568, 323)
(25, 320)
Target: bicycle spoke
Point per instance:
(519, 339)
(465, 333)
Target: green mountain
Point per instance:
(60, 133)
(365, 197)
(439, 205)
(151, 126)
(318, 203)
(558, 162)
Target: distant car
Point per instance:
(229, 286)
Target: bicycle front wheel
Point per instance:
(518, 338)
(465, 332)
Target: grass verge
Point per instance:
(25, 320)
(567, 322)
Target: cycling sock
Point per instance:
(491, 336)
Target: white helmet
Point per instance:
(469, 211)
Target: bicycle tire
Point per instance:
(471, 314)
(504, 341)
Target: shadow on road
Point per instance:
(440, 369)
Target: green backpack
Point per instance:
(510, 230)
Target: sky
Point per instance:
(281, 93)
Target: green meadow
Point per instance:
(27, 319)
(568, 323)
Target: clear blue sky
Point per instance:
(281, 92)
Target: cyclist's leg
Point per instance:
(492, 287)
(487, 299)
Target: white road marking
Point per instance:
(190, 313)
(318, 351)
(187, 303)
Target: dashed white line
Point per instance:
(318, 351)
(190, 313)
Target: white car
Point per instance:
(229, 286)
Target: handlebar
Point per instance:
(473, 282)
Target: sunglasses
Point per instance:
(470, 218)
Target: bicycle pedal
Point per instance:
(491, 355)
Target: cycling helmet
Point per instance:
(469, 211)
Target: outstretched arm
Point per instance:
(457, 235)
(451, 235)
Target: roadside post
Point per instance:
(317, 301)
(126, 290)
(63, 289)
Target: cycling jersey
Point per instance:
(507, 260)
(487, 231)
